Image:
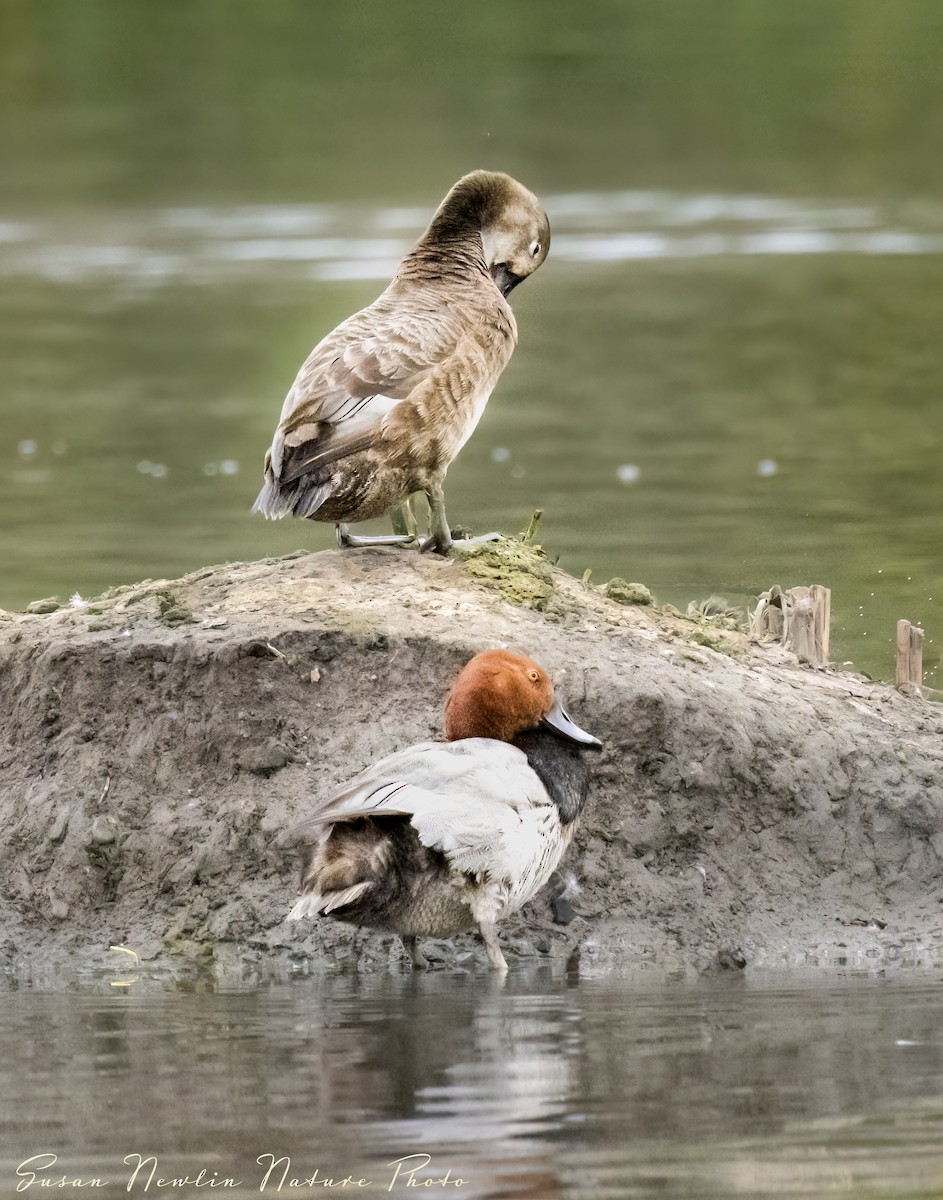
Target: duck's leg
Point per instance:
(440, 540)
(489, 935)
(347, 540)
(404, 520)
(416, 956)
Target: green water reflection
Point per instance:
(694, 361)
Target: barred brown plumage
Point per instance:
(385, 402)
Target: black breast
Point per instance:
(561, 768)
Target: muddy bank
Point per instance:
(156, 743)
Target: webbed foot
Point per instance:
(436, 544)
(441, 545)
(347, 540)
(469, 543)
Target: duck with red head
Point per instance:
(441, 838)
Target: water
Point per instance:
(789, 1087)
(729, 373)
(729, 376)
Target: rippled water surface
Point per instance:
(729, 372)
(732, 1088)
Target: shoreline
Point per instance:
(744, 812)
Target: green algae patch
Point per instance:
(711, 623)
(172, 612)
(716, 613)
(713, 640)
(623, 592)
(520, 573)
(49, 604)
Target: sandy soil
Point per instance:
(156, 744)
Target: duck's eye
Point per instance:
(535, 249)
(533, 676)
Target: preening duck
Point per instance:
(441, 838)
(383, 404)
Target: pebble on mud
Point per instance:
(48, 605)
(624, 592)
(60, 827)
(264, 759)
(103, 831)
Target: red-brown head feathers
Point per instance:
(498, 695)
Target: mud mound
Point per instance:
(157, 741)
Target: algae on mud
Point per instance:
(523, 575)
(624, 592)
(742, 809)
(520, 573)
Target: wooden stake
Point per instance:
(799, 618)
(822, 599)
(909, 654)
(766, 621)
(806, 616)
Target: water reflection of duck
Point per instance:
(445, 837)
(384, 403)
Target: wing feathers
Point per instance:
(477, 802)
(312, 455)
(350, 383)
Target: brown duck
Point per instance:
(384, 403)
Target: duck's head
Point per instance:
(499, 695)
(514, 230)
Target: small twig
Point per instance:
(531, 531)
(124, 950)
(136, 965)
(274, 649)
(105, 790)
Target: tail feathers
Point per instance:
(312, 904)
(272, 502)
(301, 498)
(307, 906)
(347, 896)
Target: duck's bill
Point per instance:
(560, 723)
(505, 278)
